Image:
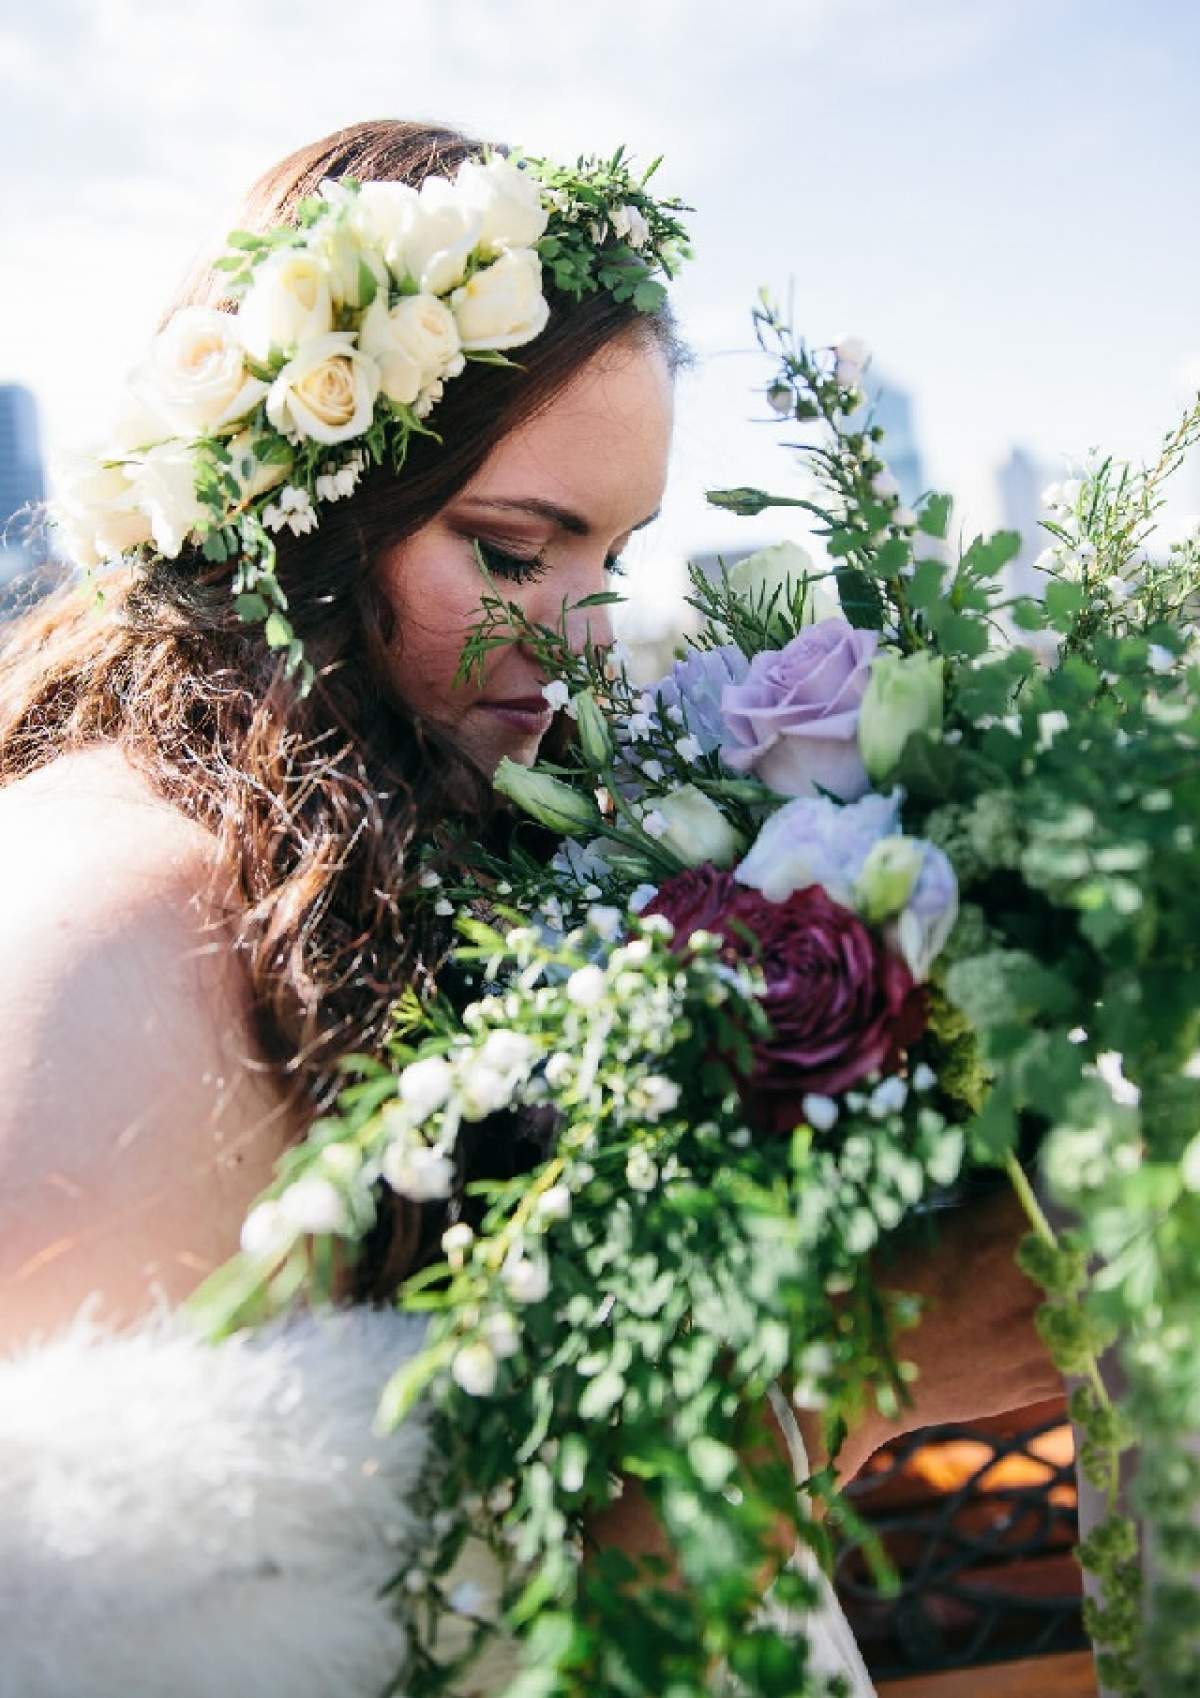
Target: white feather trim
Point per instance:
(204, 1522)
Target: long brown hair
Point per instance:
(318, 803)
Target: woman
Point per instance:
(211, 882)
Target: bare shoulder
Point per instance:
(137, 1122)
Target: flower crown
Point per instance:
(349, 325)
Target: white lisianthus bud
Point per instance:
(904, 695)
(314, 1205)
(586, 987)
(778, 572)
(195, 375)
(415, 343)
(288, 303)
(502, 306)
(696, 830)
(508, 202)
(443, 235)
(551, 802)
(641, 1173)
(425, 1085)
(852, 351)
(266, 1230)
(474, 1368)
(653, 771)
(456, 1241)
(525, 1280)
(888, 875)
(327, 392)
(502, 1332)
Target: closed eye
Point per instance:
(518, 568)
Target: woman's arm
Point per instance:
(135, 1130)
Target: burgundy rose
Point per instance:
(840, 1003)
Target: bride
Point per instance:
(208, 902)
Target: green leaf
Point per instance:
(601, 1395)
(649, 296)
(860, 598)
(368, 284)
(251, 608)
(927, 585)
(401, 1393)
(1064, 603)
(277, 631)
(934, 520)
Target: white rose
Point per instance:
(353, 264)
(289, 302)
(503, 305)
(195, 374)
(415, 343)
(508, 202)
(442, 237)
(164, 483)
(696, 829)
(327, 392)
(97, 513)
(778, 571)
(384, 214)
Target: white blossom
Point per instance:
(314, 1205)
(556, 694)
(1160, 659)
(641, 1174)
(474, 1368)
(456, 1241)
(294, 509)
(689, 748)
(418, 1171)
(425, 1085)
(820, 1112)
(586, 987)
(888, 1097)
(525, 1280)
(266, 1230)
(659, 1096)
(502, 1333)
(554, 1203)
(641, 896)
(653, 770)
(654, 823)
(924, 1078)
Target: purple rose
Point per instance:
(794, 720)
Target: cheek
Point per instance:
(434, 599)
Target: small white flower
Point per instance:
(660, 1096)
(820, 1112)
(474, 1368)
(654, 771)
(1117, 588)
(417, 1171)
(1069, 493)
(888, 1097)
(741, 1138)
(924, 1078)
(586, 987)
(554, 1203)
(484, 1089)
(266, 1230)
(502, 1333)
(415, 1581)
(314, 1205)
(456, 1241)
(780, 399)
(559, 1069)
(675, 715)
(1160, 659)
(905, 518)
(425, 1085)
(556, 694)
(507, 1050)
(428, 880)
(294, 509)
(1052, 497)
(641, 1174)
(689, 748)
(444, 907)
(525, 1280)
(654, 823)
(638, 725)
(641, 896)
(468, 1598)
(1050, 725)
(851, 351)
(885, 485)
(607, 922)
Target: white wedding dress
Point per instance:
(196, 1521)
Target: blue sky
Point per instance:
(1000, 197)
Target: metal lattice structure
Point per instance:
(980, 1524)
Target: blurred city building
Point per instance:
(22, 480)
(891, 407)
(1020, 482)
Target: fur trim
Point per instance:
(178, 1518)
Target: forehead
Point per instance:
(600, 447)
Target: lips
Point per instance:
(520, 704)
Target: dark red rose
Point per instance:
(840, 1003)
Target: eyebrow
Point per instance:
(570, 521)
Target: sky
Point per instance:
(999, 196)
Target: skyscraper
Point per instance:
(1020, 481)
(22, 481)
(892, 407)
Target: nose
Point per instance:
(589, 624)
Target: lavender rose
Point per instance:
(840, 1003)
(793, 722)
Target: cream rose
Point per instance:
(383, 214)
(195, 373)
(354, 266)
(503, 305)
(415, 344)
(508, 201)
(327, 392)
(289, 302)
(442, 237)
(96, 513)
(164, 484)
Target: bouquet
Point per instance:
(890, 879)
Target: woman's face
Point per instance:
(552, 507)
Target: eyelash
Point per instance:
(527, 569)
